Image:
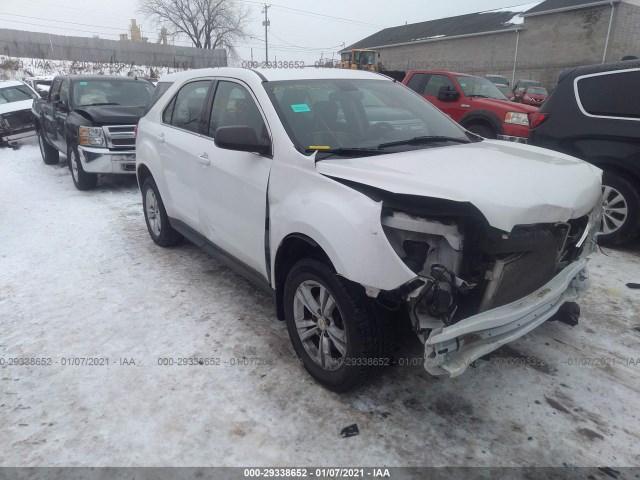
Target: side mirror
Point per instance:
(448, 94)
(56, 102)
(241, 138)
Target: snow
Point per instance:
(14, 68)
(79, 277)
(517, 19)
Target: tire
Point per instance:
(81, 179)
(351, 317)
(621, 210)
(483, 131)
(156, 218)
(50, 156)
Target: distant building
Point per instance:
(532, 41)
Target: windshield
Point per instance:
(16, 94)
(537, 90)
(42, 84)
(479, 87)
(504, 89)
(111, 92)
(356, 114)
(365, 58)
(497, 79)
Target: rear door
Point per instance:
(48, 113)
(180, 143)
(232, 186)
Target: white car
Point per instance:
(355, 202)
(40, 84)
(16, 120)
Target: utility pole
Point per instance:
(252, 56)
(266, 24)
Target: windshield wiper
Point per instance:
(98, 104)
(423, 140)
(346, 152)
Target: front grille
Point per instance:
(123, 142)
(19, 119)
(120, 136)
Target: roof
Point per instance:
(599, 68)
(273, 74)
(553, 6)
(10, 83)
(504, 19)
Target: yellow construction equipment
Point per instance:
(360, 59)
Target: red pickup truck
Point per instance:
(473, 102)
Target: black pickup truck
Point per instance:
(91, 120)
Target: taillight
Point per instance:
(538, 119)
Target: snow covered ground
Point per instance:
(79, 277)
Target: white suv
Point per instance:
(355, 202)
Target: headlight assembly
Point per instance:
(517, 118)
(91, 136)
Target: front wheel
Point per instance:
(81, 179)
(620, 210)
(333, 327)
(483, 131)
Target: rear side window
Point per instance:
(611, 95)
(417, 82)
(185, 108)
(160, 90)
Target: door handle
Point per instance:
(161, 137)
(204, 160)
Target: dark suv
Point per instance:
(594, 114)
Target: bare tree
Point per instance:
(208, 24)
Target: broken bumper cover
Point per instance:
(13, 136)
(450, 350)
(102, 160)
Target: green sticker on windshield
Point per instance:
(84, 84)
(300, 107)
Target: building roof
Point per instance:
(504, 19)
(552, 6)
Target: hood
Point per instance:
(112, 114)
(508, 106)
(511, 184)
(16, 106)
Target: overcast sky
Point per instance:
(295, 32)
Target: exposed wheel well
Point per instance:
(479, 121)
(293, 248)
(143, 174)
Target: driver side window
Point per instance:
(234, 106)
(435, 83)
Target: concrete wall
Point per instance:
(625, 39)
(16, 43)
(548, 44)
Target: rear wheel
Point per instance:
(50, 156)
(155, 215)
(483, 131)
(81, 179)
(333, 327)
(620, 210)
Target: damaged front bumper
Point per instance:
(450, 350)
(102, 160)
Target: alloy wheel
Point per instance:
(153, 212)
(319, 325)
(614, 210)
